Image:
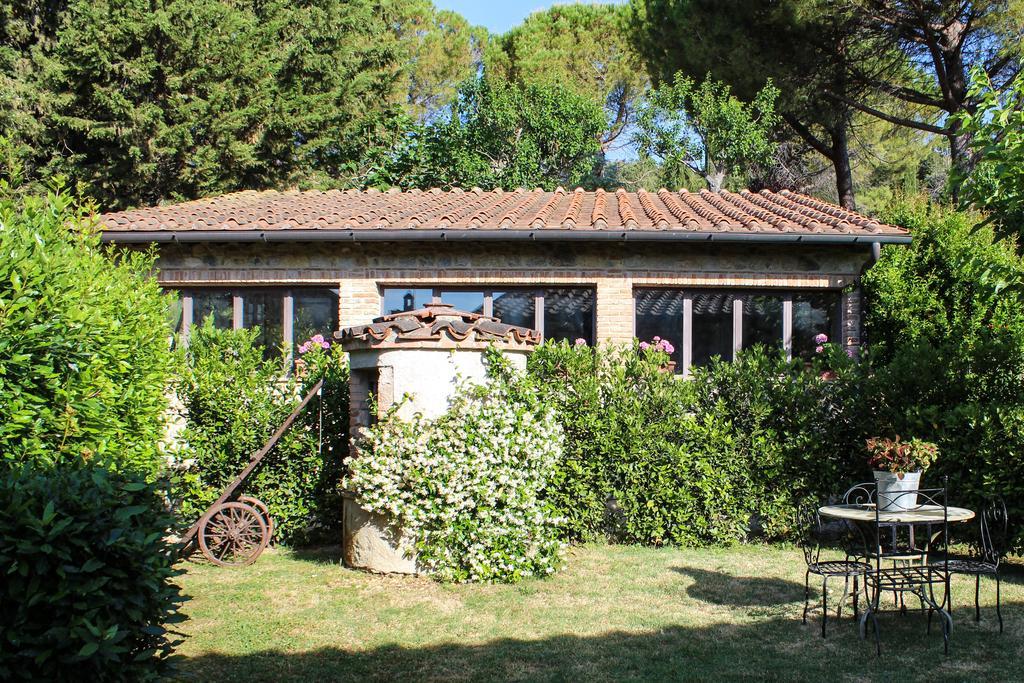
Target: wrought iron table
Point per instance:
(908, 578)
(924, 514)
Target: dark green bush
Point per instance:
(720, 458)
(949, 348)
(84, 355)
(87, 589)
(235, 399)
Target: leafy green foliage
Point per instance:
(707, 129)
(996, 128)
(949, 335)
(467, 485)
(234, 400)
(87, 592)
(500, 135)
(84, 357)
(653, 460)
(584, 47)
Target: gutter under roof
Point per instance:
(545, 235)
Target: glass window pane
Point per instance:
(399, 299)
(211, 303)
(762, 321)
(659, 313)
(712, 326)
(515, 307)
(813, 314)
(314, 311)
(265, 310)
(471, 302)
(569, 314)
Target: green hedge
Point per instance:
(652, 459)
(945, 318)
(235, 399)
(84, 355)
(87, 589)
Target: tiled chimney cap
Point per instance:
(437, 326)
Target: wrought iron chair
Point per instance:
(917, 579)
(897, 547)
(814, 536)
(993, 526)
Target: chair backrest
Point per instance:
(993, 525)
(808, 524)
(938, 530)
(860, 494)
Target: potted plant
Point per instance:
(898, 466)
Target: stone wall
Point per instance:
(360, 269)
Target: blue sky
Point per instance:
(498, 16)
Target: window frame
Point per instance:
(238, 309)
(488, 292)
(738, 294)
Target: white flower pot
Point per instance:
(889, 486)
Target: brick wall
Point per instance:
(359, 270)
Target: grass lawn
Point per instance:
(612, 613)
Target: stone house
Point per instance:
(711, 272)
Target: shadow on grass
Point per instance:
(327, 554)
(775, 649)
(719, 588)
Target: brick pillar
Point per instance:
(358, 301)
(615, 310)
(851, 303)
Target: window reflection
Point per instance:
(659, 313)
(399, 299)
(814, 313)
(314, 311)
(265, 310)
(471, 302)
(216, 304)
(762, 321)
(515, 307)
(712, 327)
(569, 314)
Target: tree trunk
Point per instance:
(715, 180)
(841, 162)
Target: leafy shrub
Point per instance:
(947, 325)
(84, 355)
(466, 485)
(654, 460)
(87, 587)
(234, 400)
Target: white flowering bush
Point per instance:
(468, 485)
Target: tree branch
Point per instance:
(811, 139)
(899, 121)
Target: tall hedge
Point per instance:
(84, 353)
(948, 338)
(86, 591)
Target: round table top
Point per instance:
(923, 514)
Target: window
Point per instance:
(659, 313)
(712, 331)
(569, 314)
(399, 300)
(703, 324)
(762, 321)
(813, 314)
(216, 304)
(286, 317)
(565, 313)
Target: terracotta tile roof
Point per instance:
(704, 212)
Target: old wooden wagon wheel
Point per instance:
(263, 510)
(233, 534)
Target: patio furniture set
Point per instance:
(897, 542)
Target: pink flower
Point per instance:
(852, 352)
(657, 339)
(304, 348)
(318, 338)
(644, 346)
(666, 346)
(819, 349)
(580, 342)
(820, 338)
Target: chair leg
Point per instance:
(842, 600)
(807, 593)
(856, 598)
(977, 597)
(824, 604)
(999, 609)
